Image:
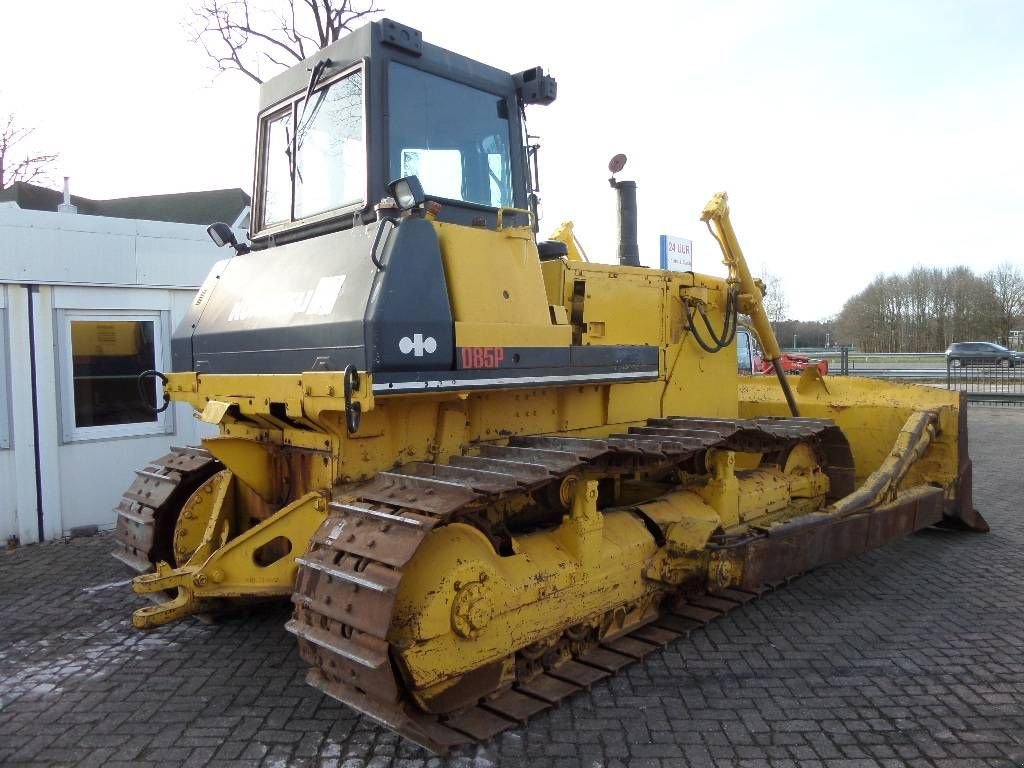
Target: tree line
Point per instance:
(929, 308)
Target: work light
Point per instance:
(408, 192)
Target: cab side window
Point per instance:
(745, 360)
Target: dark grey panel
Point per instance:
(343, 54)
(622, 356)
(475, 358)
(181, 341)
(409, 322)
(323, 304)
(402, 383)
(276, 361)
(286, 307)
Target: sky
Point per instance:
(852, 138)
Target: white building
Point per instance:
(88, 300)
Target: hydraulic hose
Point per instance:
(719, 341)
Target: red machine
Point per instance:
(753, 360)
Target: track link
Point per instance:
(149, 508)
(349, 580)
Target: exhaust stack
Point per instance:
(629, 249)
(67, 206)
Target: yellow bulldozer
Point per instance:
(486, 471)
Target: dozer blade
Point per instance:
(866, 410)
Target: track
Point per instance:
(349, 580)
(149, 508)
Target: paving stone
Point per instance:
(912, 655)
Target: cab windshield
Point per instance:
(314, 157)
(453, 137)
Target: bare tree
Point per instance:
(248, 37)
(927, 309)
(17, 163)
(1007, 283)
(774, 297)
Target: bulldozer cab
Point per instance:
(381, 105)
(346, 269)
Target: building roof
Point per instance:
(203, 207)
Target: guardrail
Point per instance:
(853, 353)
(877, 355)
(924, 374)
(988, 383)
(844, 361)
(992, 384)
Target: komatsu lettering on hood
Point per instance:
(266, 304)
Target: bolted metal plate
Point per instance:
(678, 624)
(185, 460)
(630, 646)
(151, 488)
(515, 705)
(423, 494)
(712, 603)
(631, 444)
(576, 673)
(348, 602)
(521, 471)
(605, 659)
(735, 595)
(554, 461)
(548, 688)
(484, 481)
(577, 446)
(418, 728)
(655, 635)
(695, 613)
(479, 723)
(380, 540)
(359, 660)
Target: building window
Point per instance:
(104, 353)
(5, 422)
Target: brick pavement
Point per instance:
(911, 655)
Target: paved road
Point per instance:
(912, 655)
